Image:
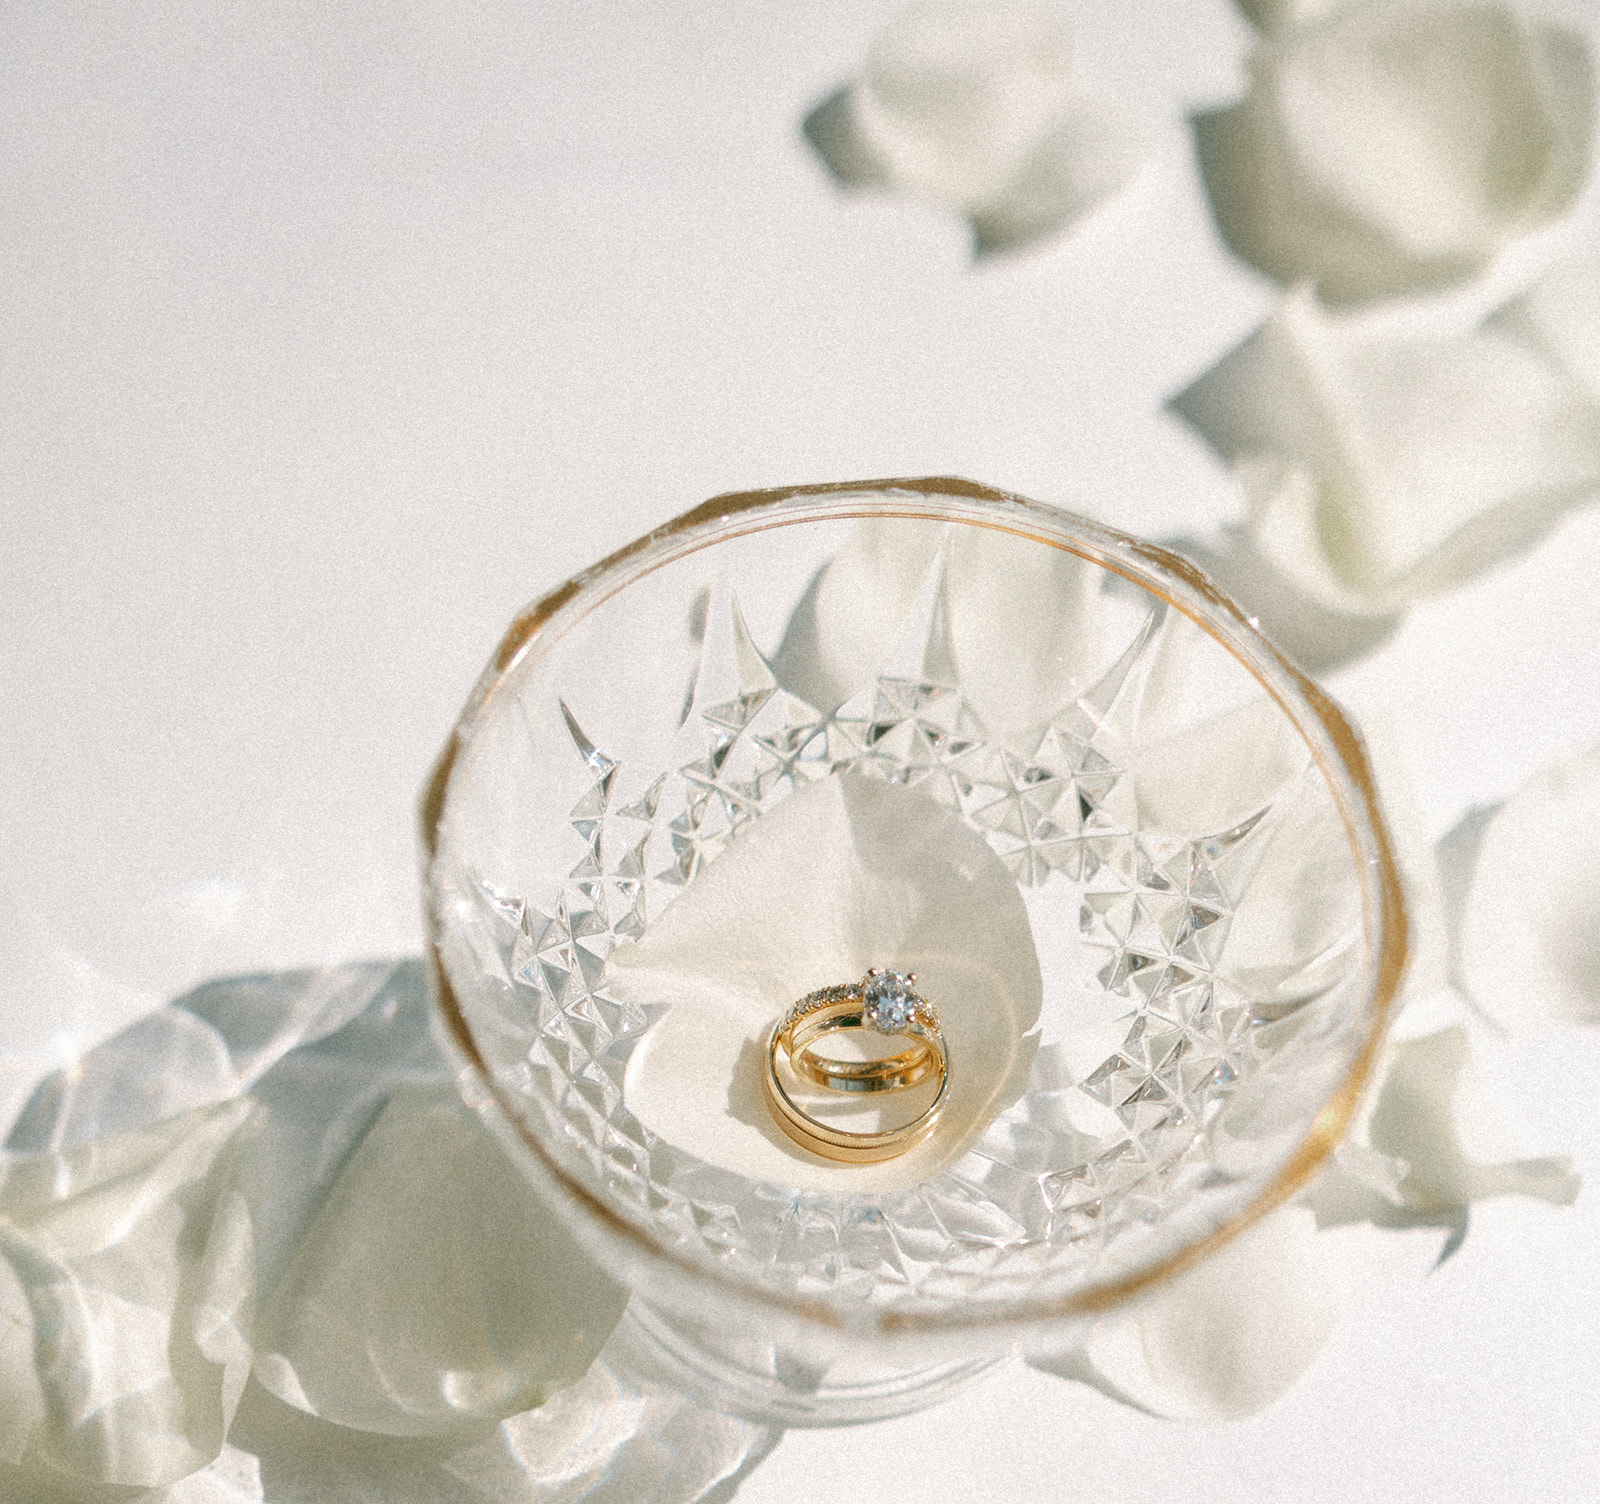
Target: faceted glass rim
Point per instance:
(1336, 747)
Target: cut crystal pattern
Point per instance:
(1154, 909)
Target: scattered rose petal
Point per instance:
(618, 1435)
(1395, 147)
(323, 1095)
(1380, 469)
(1439, 1144)
(1431, 1112)
(1235, 1331)
(433, 1290)
(204, 1047)
(321, 1050)
(1527, 944)
(345, 1064)
(325, 1051)
(1224, 1338)
(1456, 855)
(1358, 1185)
(126, 1304)
(234, 1478)
(977, 109)
(622, 1434)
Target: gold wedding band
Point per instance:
(883, 1003)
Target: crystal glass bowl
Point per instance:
(1135, 858)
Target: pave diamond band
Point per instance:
(882, 1003)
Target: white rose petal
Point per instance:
(977, 109)
(126, 1304)
(1431, 1112)
(1430, 1145)
(1297, 918)
(355, 1092)
(1385, 468)
(1295, 915)
(211, 1044)
(324, 1052)
(234, 1478)
(620, 1435)
(1229, 1336)
(1211, 777)
(844, 875)
(616, 1436)
(1224, 1338)
(1397, 146)
(433, 1290)
(321, 1050)
(1024, 621)
(1316, 635)
(1234, 1332)
(1560, 317)
(856, 609)
(1358, 1185)
(1527, 946)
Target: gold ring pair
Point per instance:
(883, 1003)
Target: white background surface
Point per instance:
(332, 333)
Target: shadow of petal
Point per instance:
(831, 129)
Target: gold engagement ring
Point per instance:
(882, 1003)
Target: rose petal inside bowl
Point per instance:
(849, 873)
